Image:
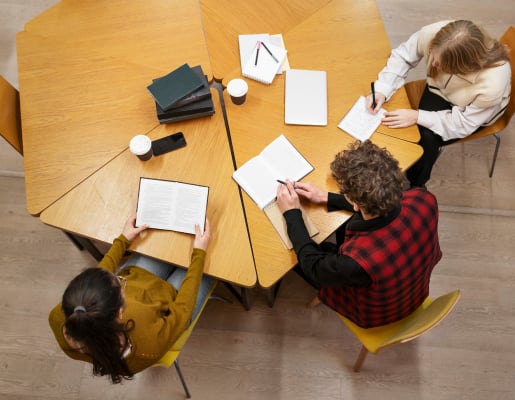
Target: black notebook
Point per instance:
(175, 86)
(203, 93)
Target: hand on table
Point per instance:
(202, 238)
(311, 192)
(401, 118)
(130, 231)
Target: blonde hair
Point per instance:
(466, 48)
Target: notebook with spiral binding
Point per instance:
(264, 62)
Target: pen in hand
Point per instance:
(257, 52)
(374, 104)
(284, 183)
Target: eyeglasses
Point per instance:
(123, 281)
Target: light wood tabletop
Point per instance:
(98, 207)
(347, 39)
(84, 68)
(83, 72)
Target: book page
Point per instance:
(285, 160)
(258, 180)
(279, 160)
(171, 205)
(360, 123)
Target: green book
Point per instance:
(178, 84)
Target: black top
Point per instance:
(325, 268)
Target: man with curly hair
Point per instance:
(379, 271)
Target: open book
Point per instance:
(170, 205)
(359, 122)
(279, 160)
(279, 223)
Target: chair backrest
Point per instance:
(508, 38)
(10, 120)
(422, 320)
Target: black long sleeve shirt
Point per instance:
(325, 268)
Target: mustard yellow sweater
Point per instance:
(159, 312)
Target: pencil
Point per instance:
(257, 52)
(372, 87)
(269, 52)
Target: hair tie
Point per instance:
(79, 309)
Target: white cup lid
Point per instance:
(237, 87)
(140, 144)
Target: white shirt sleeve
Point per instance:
(401, 61)
(456, 123)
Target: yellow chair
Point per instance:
(422, 320)
(171, 357)
(415, 89)
(10, 120)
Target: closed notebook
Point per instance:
(305, 97)
(176, 85)
(264, 62)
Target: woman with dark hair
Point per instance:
(123, 320)
(468, 87)
(380, 268)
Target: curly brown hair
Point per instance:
(369, 176)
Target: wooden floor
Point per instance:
(288, 352)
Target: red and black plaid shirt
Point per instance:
(399, 259)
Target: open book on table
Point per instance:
(170, 205)
(359, 122)
(279, 160)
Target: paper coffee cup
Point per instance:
(237, 89)
(141, 146)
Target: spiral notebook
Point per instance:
(264, 62)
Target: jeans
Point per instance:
(173, 275)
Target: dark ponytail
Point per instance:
(90, 304)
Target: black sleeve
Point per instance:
(321, 267)
(336, 202)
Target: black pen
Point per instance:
(374, 104)
(269, 52)
(257, 52)
(284, 183)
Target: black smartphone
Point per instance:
(168, 143)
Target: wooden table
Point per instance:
(111, 195)
(337, 39)
(84, 68)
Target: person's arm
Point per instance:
(184, 303)
(336, 202)
(402, 59)
(112, 258)
(322, 268)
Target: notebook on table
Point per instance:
(264, 62)
(305, 97)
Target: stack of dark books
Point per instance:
(182, 94)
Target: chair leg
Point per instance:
(497, 144)
(176, 363)
(361, 358)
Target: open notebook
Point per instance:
(305, 97)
